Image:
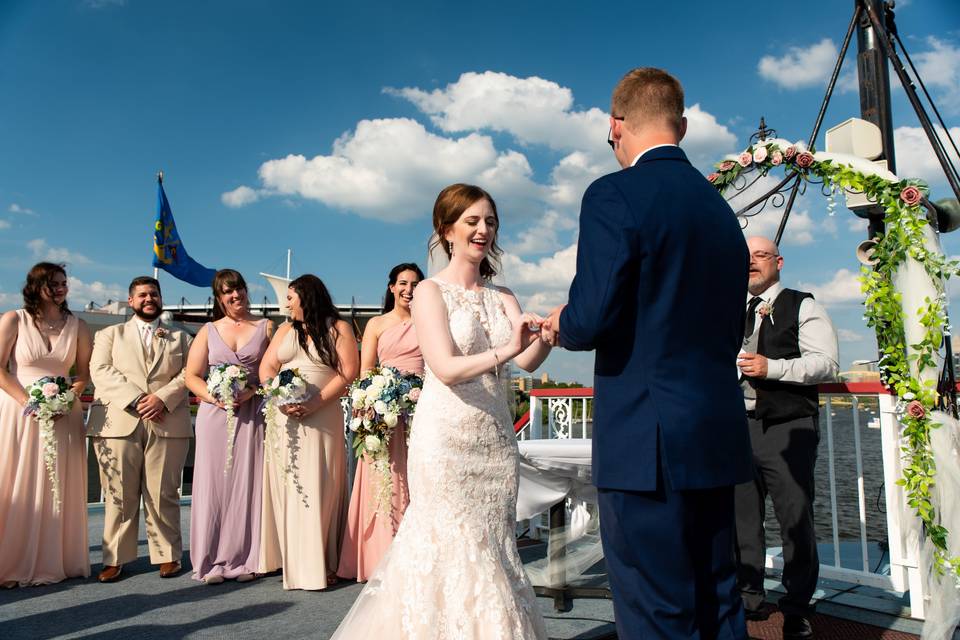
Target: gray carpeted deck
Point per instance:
(141, 605)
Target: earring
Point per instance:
(451, 248)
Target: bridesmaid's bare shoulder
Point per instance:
(9, 322)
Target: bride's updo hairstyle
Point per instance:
(39, 280)
(450, 205)
(225, 279)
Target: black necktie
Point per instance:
(751, 316)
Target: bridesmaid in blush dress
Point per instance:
(391, 340)
(42, 542)
(304, 509)
(225, 517)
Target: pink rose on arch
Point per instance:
(414, 394)
(776, 158)
(726, 165)
(745, 159)
(911, 196)
(916, 410)
(760, 154)
(50, 390)
(789, 153)
(804, 159)
(713, 177)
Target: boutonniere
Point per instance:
(765, 309)
(161, 333)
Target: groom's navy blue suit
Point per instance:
(661, 279)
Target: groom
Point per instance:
(140, 424)
(661, 276)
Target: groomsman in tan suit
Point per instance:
(140, 424)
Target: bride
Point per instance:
(453, 570)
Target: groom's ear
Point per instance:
(683, 128)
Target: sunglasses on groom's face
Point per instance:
(610, 140)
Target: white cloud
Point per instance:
(16, 208)
(801, 227)
(542, 236)
(846, 335)
(239, 197)
(542, 284)
(9, 300)
(707, 141)
(857, 225)
(843, 289)
(42, 251)
(915, 157)
(83, 292)
(940, 70)
(4, 224)
(800, 67)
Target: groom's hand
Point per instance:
(550, 329)
(150, 407)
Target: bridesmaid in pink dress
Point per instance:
(389, 340)
(42, 542)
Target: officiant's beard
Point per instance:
(148, 317)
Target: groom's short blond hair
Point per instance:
(648, 95)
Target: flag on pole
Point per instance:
(169, 253)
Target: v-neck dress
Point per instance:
(225, 515)
(41, 543)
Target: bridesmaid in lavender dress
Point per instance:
(391, 340)
(42, 542)
(225, 517)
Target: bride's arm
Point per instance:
(436, 343)
(538, 350)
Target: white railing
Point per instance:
(566, 413)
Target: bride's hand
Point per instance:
(525, 331)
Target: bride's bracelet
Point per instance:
(496, 360)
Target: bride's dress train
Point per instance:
(453, 570)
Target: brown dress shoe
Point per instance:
(110, 573)
(169, 569)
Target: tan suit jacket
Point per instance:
(120, 374)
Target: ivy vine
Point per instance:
(905, 222)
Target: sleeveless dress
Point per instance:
(225, 515)
(369, 534)
(301, 526)
(453, 570)
(40, 544)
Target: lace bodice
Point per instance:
(453, 570)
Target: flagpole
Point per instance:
(156, 270)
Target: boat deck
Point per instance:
(141, 605)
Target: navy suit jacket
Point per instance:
(659, 294)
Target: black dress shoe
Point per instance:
(756, 615)
(796, 628)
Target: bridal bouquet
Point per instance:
(225, 382)
(287, 387)
(380, 400)
(49, 397)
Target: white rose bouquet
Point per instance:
(287, 387)
(225, 382)
(380, 400)
(49, 397)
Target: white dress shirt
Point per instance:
(819, 350)
(147, 329)
(656, 146)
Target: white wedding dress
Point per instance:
(453, 570)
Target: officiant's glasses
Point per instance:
(610, 141)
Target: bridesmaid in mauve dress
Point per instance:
(304, 509)
(225, 515)
(389, 340)
(42, 542)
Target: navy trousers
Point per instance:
(670, 558)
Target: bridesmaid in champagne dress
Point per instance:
(391, 340)
(42, 542)
(225, 516)
(305, 466)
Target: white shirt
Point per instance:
(656, 146)
(819, 348)
(146, 329)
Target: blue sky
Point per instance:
(328, 128)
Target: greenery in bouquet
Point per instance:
(48, 398)
(225, 382)
(287, 387)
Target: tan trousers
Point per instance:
(141, 464)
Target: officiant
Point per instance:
(789, 347)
